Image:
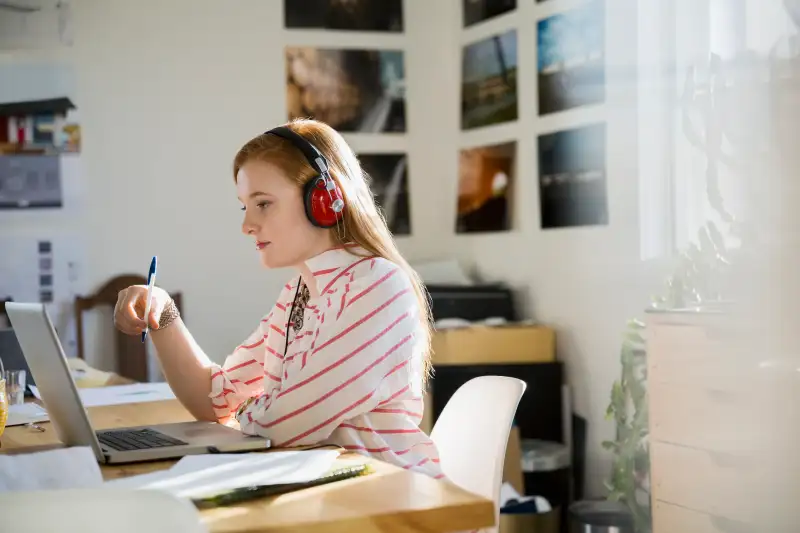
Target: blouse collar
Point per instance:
(330, 264)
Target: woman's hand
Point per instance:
(129, 311)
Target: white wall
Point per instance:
(169, 90)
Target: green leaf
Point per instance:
(609, 445)
(634, 337)
(615, 496)
(636, 324)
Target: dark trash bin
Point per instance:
(600, 517)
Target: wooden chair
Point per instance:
(131, 353)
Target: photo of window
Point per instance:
(351, 90)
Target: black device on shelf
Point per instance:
(472, 302)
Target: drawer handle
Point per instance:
(720, 395)
(725, 460)
(726, 525)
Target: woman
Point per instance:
(343, 355)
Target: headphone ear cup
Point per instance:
(323, 207)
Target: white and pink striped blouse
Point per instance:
(351, 376)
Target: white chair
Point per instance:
(472, 431)
(97, 510)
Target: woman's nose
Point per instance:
(248, 228)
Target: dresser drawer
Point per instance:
(736, 487)
(668, 518)
(700, 417)
(701, 355)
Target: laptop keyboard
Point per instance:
(136, 439)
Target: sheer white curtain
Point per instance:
(674, 37)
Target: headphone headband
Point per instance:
(312, 155)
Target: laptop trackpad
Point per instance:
(203, 433)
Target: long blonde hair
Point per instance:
(363, 223)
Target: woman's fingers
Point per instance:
(127, 315)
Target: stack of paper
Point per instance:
(68, 468)
(197, 476)
(26, 413)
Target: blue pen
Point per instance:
(151, 281)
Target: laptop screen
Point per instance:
(13, 359)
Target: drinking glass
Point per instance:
(15, 386)
(3, 406)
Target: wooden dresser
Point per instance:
(724, 427)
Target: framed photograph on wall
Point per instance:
(489, 81)
(476, 11)
(485, 188)
(30, 181)
(388, 175)
(571, 62)
(354, 15)
(572, 177)
(352, 90)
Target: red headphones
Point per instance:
(322, 197)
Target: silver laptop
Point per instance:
(47, 362)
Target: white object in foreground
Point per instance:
(67, 468)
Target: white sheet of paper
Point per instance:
(26, 413)
(444, 272)
(67, 468)
(203, 475)
(121, 394)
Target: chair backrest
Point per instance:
(471, 433)
(131, 354)
(98, 510)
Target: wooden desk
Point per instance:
(390, 500)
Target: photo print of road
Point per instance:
(571, 63)
(572, 177)
(352, 90)
(388, 174)
(353, 15)
(489, 81)
(485, 188)
(476, 11)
